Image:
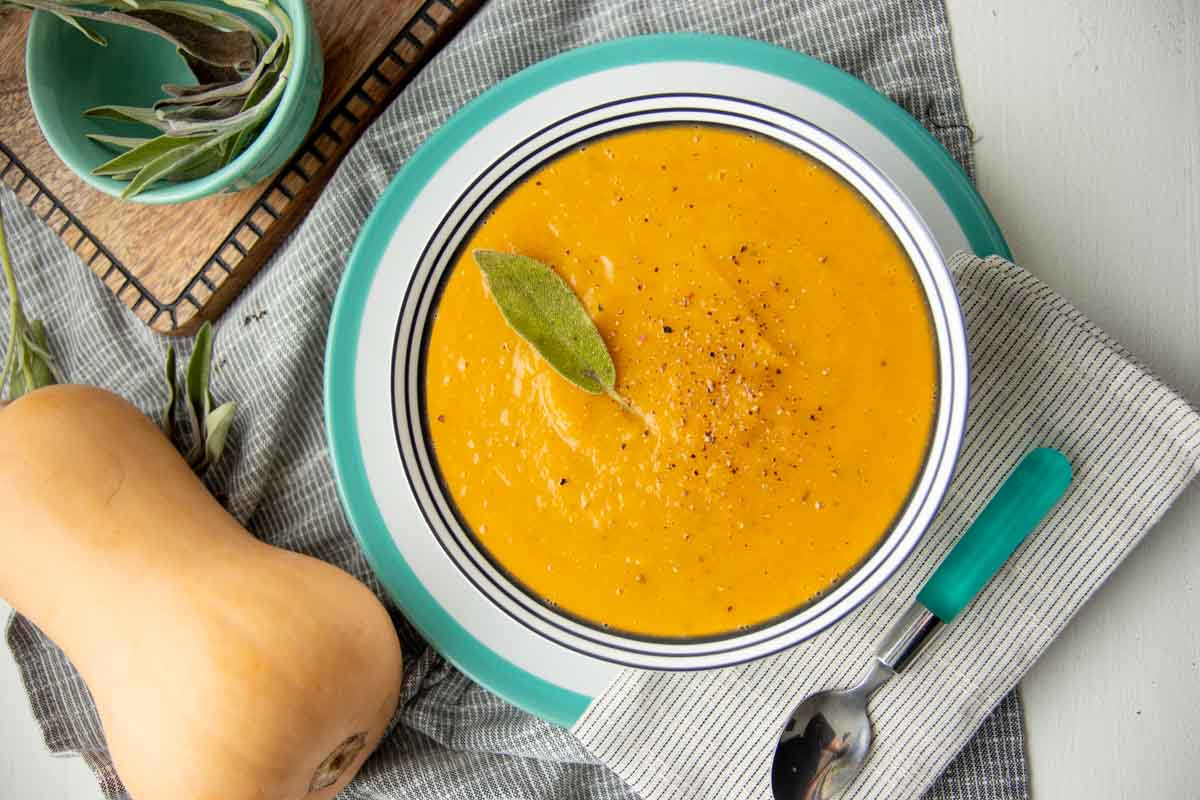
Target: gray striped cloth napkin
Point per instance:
(1041, 375)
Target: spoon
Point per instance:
(827, 738)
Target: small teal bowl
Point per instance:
(68, 74)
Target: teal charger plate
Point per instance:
(556, 682)
(68, 74)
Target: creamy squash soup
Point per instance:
(774, 341)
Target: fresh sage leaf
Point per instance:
(119, 142)
(216, 431)
(19, 386)
(199, 372)
(197, 398)
(198, 167)
(43, 371)
(212, 15)
(16, 386)
(160, 168)
(195, 453)
(145, 154)
(540, 306)
(209, 73)
(266, 83)
(203, 40)
(182, 158)
(237, 49)
(35, 365)
(219, 91)
(168, 417)
(28, 364)
(143, 116)
(208, 423)
(175, 90)
(213, 111)
(226, 126)
(180, 106)
(79, 26)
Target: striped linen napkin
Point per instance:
(1042, 374)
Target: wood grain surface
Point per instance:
(179, 265)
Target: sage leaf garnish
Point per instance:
(540, 306)
(241, 76)
(543, 309)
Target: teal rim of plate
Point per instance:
(536, 695)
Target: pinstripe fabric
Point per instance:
(1042, 375)
(453, 739)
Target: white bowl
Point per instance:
(505, 637)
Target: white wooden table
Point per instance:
(1087, 114)
(1088, 118)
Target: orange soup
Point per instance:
(767, 323)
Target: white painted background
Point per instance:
(1088, 119)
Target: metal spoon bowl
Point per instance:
(828, 736)
(825, 741)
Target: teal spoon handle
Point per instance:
(1016, 509)
(1013, 512)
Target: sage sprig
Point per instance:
(241, 73)
(28, 364)
(543, 309)
(208, 424)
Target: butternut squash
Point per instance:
(222, 668)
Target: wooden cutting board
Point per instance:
(177, 266)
